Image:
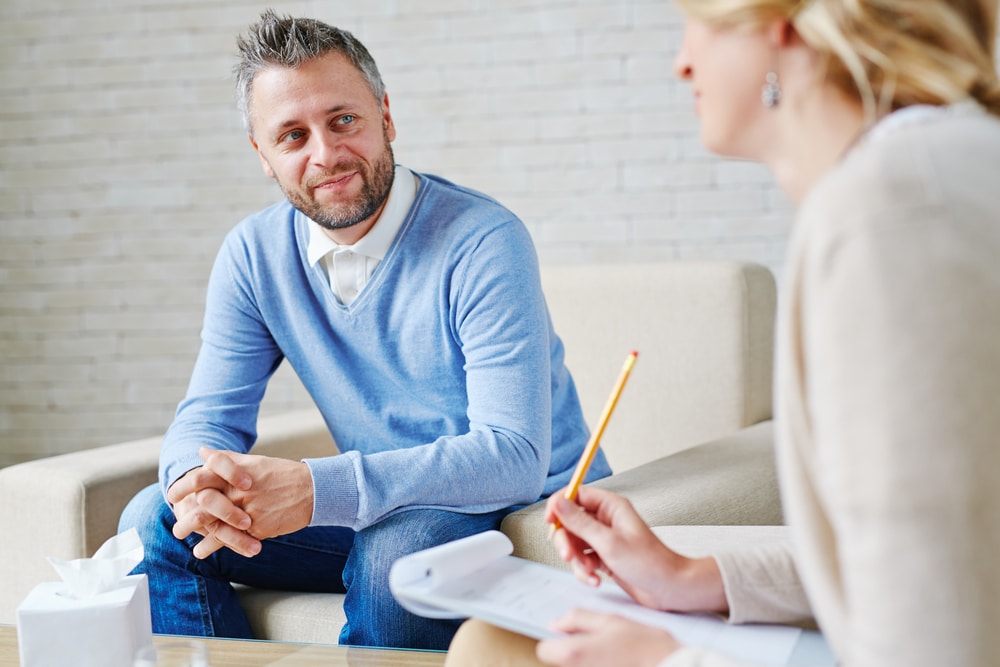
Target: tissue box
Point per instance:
(106, 630)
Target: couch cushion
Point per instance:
(314, 618)
(729, 481)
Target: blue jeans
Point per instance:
(189, 596)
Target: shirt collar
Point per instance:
(379, 238)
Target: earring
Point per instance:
(770, 92)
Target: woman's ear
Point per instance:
(780, 33)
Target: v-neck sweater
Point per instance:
(443, 384)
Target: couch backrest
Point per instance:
(704, 333)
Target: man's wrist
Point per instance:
(308, 486)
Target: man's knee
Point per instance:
(147, 512)
(374, 616)
(407, 532)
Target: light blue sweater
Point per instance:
(443, 383)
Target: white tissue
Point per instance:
(86, 578)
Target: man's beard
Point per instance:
(374, 191)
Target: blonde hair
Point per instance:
(887, 53)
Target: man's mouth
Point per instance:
(335, 182)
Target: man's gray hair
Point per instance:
(283, 41)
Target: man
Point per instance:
(412, 311)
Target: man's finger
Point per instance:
(226, 465)
(193, 480)
(223, 535)
(221, 506)
(208, 546)
(195, 520)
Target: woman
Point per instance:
(881, 120)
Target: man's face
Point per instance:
(325, 139)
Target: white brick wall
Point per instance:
(124, 163)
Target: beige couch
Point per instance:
(690, 440)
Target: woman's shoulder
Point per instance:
(914, 170)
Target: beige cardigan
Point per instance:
(888, 404)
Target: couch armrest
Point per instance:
(67, 506)
(64, 506)
(728, 481)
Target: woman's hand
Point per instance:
(602, 533)
(599, 640)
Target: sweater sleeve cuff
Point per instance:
(731, 586)
(335, 491)
(174, 470)
(762, 586)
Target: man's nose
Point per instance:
(326, 149)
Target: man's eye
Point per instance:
(346, 119)
(294, 135)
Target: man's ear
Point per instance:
(390, 127)
(263, 162)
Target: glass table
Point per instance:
(240, 653)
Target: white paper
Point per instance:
(476, 577)
(441, 564)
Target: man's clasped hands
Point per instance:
(236, 500)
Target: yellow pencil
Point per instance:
(595, 438)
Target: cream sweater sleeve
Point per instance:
(762, 586)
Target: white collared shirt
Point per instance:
(349, 267)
